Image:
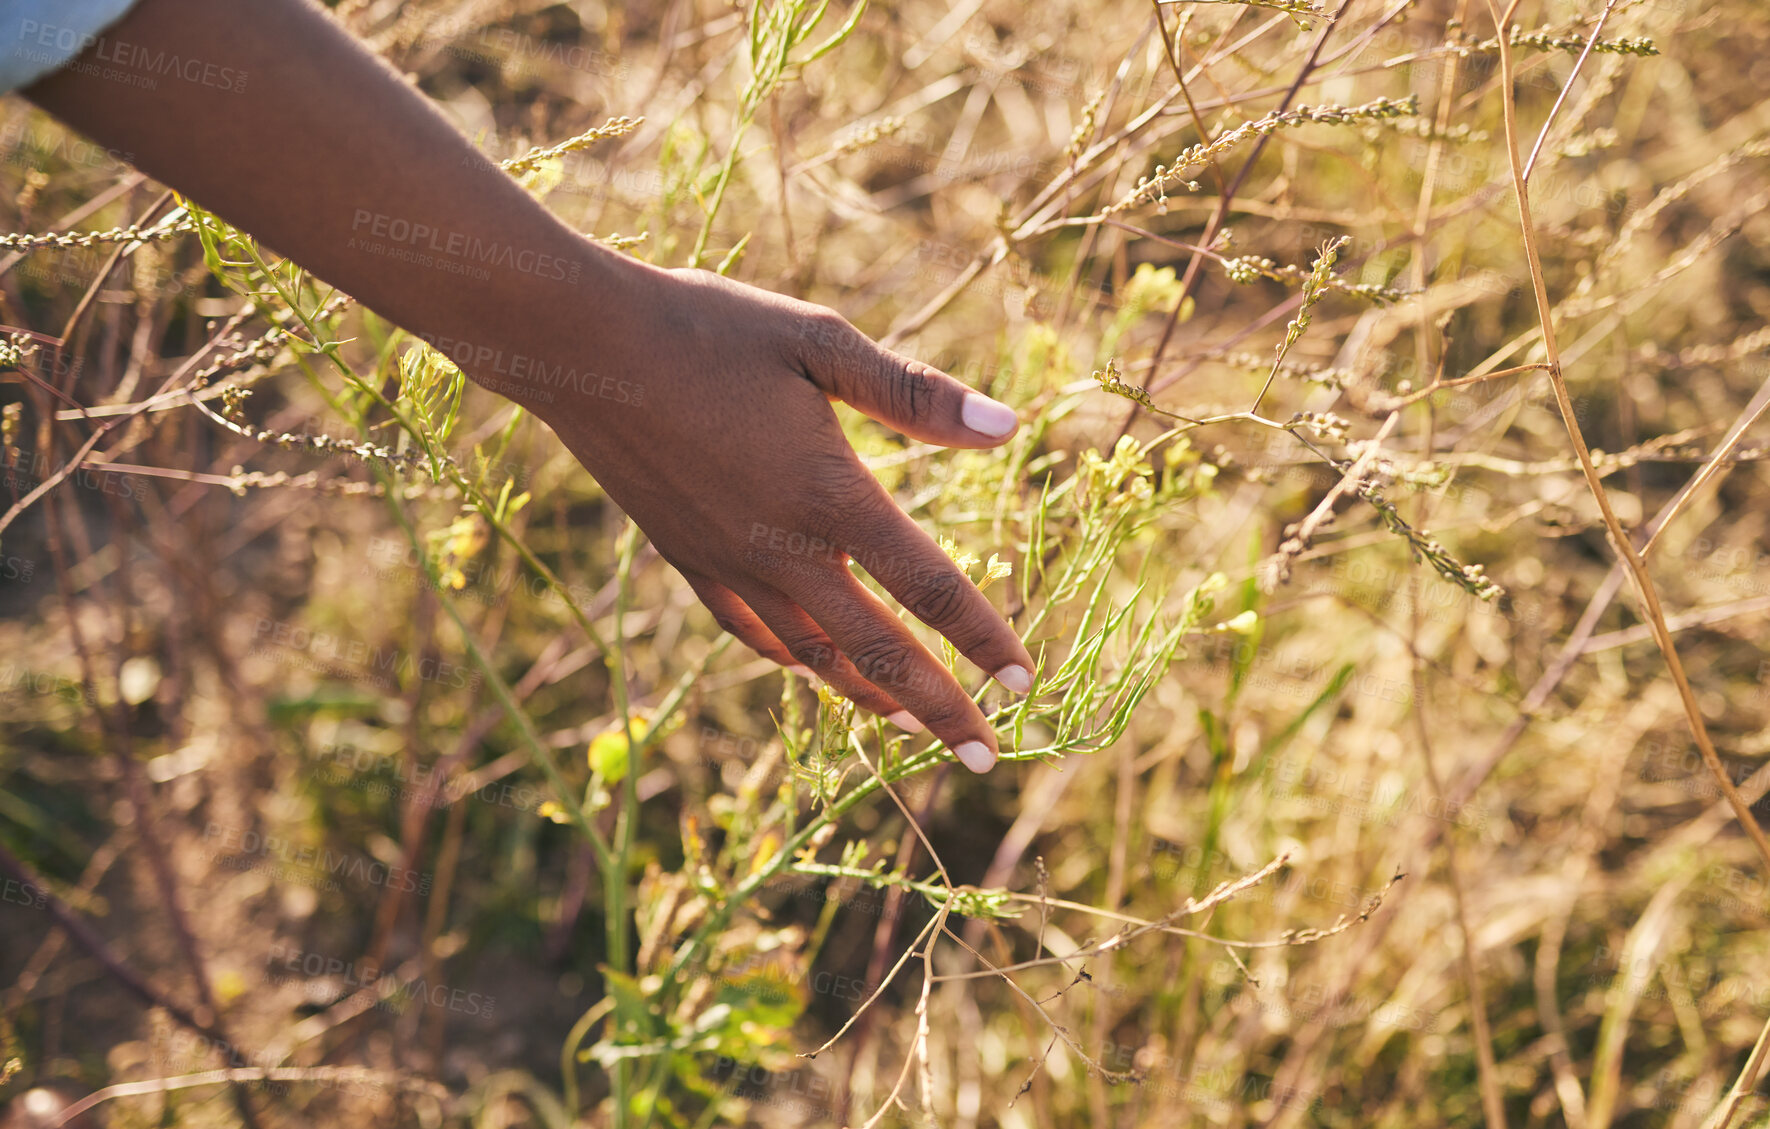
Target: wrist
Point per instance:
(547, 341)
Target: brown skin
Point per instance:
(708, 417)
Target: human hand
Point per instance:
(721, 444)
(708, 419)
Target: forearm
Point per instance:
(322, 152)
(701, 405)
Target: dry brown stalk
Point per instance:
(1619, 539)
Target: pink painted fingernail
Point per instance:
(905, 721)
(1016, 678)
(976, 756)
(987, 417)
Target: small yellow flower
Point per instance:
(229, 986)
(608, 755)
(1242, 624)
(694, 847)
(455, 546)
(959, 556)
(765, 851)
(552, 811)
(608, 751)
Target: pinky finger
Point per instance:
(805, 639)
(735, 618)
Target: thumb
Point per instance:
(916, 399)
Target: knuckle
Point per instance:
(823, 518)
(938, 600)
(847, 497)
(909, 390)
(824, 332)
(814, 653)
(890, 665)
(730, 624)
(941, 712)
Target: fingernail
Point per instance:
(905, 721)
(976, 756)
(802, 671)
(987, 417)
(1016, 678)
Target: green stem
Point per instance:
(614, 884)
(725, 170)
(525, 726)
(877, 879)
(484, 505)
(568, 1058)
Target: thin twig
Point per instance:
(1620, 540)
(89, 940)
(1743, 1085)
(1566, 88)
(336, 1075)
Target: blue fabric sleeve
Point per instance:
(38, 36)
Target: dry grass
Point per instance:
(1481, 488)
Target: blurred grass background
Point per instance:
(238, 695)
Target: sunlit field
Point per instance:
(1388, 519)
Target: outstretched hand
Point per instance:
(720, 442)
(708, 415)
